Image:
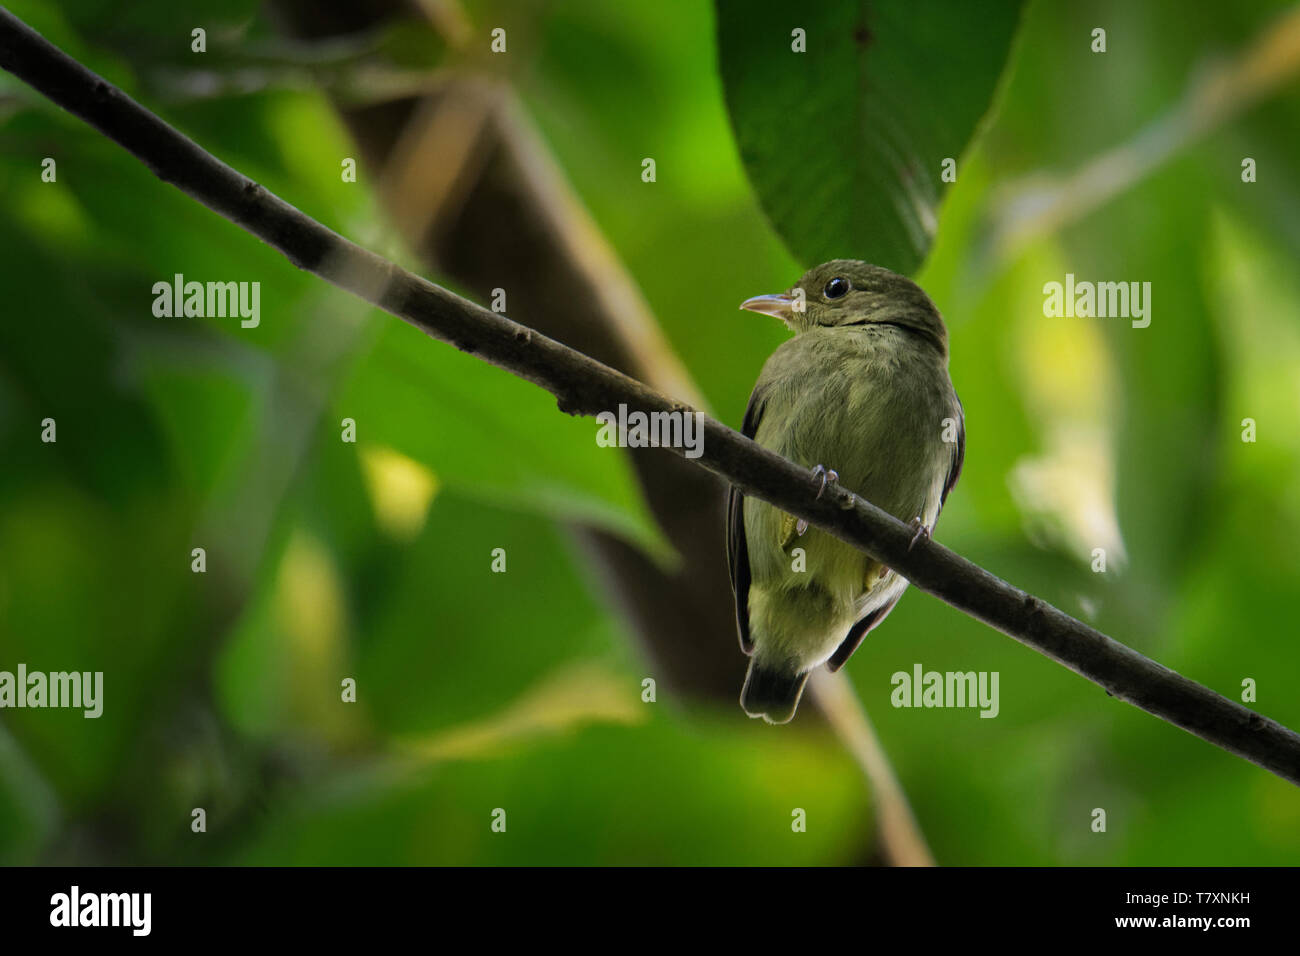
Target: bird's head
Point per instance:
(845, 293)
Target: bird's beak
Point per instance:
(780, 306)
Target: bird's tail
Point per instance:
(771, 694)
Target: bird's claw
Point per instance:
(828, 477)
(922, 531)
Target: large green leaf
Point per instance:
(490, 435)
(845, 142)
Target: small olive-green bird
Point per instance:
(861, 395)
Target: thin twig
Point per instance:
(900, 835)
(1040, 204)
(585, 386)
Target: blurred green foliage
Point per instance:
(522, 690)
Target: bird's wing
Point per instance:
(959, 454)
(737, 547)
(859, 630)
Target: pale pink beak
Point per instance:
(779, 306)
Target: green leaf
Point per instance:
(492, 436)
(845, 143)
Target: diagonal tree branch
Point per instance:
(584, 386)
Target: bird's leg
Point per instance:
(922, 530)
(828, 476)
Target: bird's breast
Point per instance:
(870, 404)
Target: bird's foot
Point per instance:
(922, 530)
(828, 476)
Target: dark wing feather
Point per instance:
(737, 547)
(857, 632)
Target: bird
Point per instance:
(861, 395)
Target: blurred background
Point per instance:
(524, 170)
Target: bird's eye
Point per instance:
(837, 288)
